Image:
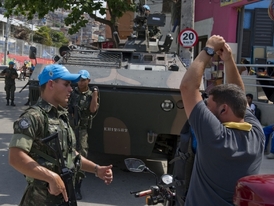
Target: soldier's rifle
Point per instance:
(65, 173)
(24, 87)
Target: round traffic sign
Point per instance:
(188, 38)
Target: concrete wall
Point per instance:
(225, 17)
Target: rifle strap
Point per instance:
(45, 120)
(45, 156)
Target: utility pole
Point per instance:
(187, 21)
(32, 31)
(81, 36)
(6, 40)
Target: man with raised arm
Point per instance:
(230, 139)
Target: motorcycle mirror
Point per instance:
(135, 165)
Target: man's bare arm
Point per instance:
(192, 79)
(191, 82)
(232, 74)
(93, 104)
(103, 172)
(23, 163)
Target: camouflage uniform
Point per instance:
(81, 119)
(35, 123)
(154, 32)
(81, 101)
(10, 82)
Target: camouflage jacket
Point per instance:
(81, 101)
(154, 31)
(39, 121)
(8, 75)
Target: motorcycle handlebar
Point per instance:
(143, 193)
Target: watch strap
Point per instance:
(210, 51)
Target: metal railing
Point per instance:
(21, 47)
(93, 58)
(261, 79)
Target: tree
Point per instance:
(58, 38)
(42, 36)
(45, 35)
(76, 19)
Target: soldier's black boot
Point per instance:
(78, 194)
(12, 103)
(8, 102)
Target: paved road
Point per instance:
(12, 183)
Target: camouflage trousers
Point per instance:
(82, 142)
(10, 89)
(82, 148)
(39, 195)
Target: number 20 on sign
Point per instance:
(188, 38)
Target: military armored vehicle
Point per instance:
(141, 111)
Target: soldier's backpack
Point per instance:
(183, 164)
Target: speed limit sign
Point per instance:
(188, 38)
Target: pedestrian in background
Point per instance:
(252, 106)
(83, 105)
(24, 72)
(230, 138)
(10, 76)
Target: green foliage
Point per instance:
(58, 38)
(79, 9)
(42, 36)
(50, 37)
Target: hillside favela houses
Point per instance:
(18, 50)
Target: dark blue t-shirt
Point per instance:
(223, 156)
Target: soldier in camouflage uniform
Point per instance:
(45, 186)
(10, 76)
(83, 105)
(153, 31)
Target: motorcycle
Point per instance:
(162, 192)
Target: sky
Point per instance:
(98, 14)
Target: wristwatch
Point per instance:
(209, 51)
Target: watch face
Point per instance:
(209, 51)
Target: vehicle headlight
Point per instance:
(167, 179)
(167, 105)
